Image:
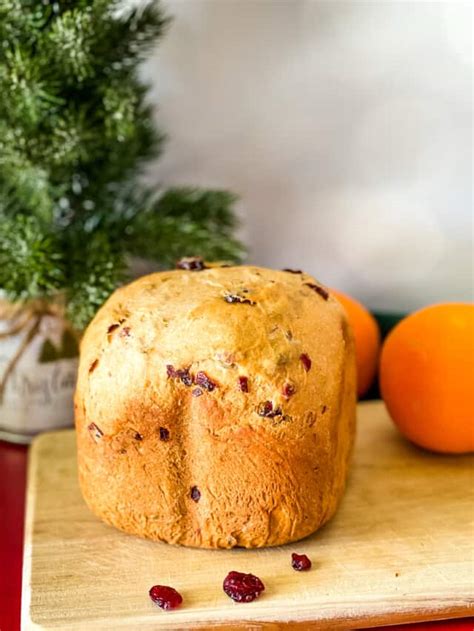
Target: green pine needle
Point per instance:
(31, 260)
(186, 222)
(95, 268)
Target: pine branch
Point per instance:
(131, 35)
(31, 259)
(186, 222)
(95, 269)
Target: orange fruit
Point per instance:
(367, 340)
(427, 377)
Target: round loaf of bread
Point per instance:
(215, 407)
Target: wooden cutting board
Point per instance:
(399, 549)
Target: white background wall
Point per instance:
(345, 127)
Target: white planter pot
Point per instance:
(38, 365)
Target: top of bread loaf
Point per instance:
(223, 332)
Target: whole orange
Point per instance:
(427, 377)
(367, 340)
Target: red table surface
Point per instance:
(13, 460)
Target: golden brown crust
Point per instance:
(199, 464)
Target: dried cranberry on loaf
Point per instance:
(225, 416)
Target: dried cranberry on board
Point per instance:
(165, 597)
(300, 562)
(243, 588)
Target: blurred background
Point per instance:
(345, 127)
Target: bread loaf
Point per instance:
(215, 407)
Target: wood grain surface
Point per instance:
(399, 549)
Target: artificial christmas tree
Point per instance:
(75, 133)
